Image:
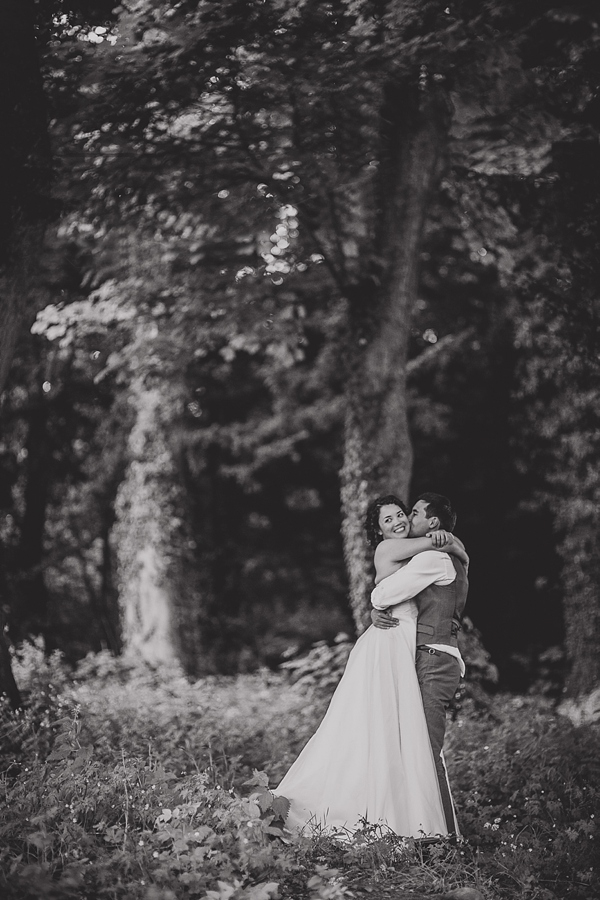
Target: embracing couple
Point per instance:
(377, 756)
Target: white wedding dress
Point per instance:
(370, 759)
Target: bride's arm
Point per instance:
(439, 540)
(449, 543)
(392, 551)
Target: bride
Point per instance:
(370, 759)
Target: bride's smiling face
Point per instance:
(393, 522)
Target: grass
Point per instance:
(120, 782)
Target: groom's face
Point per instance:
(420, 522)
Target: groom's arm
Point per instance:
(382, 618)
(416, 581)
(406, 583)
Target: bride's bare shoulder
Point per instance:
(383, 550)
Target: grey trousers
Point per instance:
(439, 677)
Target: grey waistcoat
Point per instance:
(440, 609)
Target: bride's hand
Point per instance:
(440, 538)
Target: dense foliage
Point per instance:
(292, 253)
(218, 292)
(119, 783)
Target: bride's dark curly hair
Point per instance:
(374, 535)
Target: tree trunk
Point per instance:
(159, 595)
(108, 599)
(378, 450)
(24, 173)
(31, 615)
(20, 293)
(355, 498)
(560, 383)
(8, 685)
(580, 551)
(580, 577)
(576, 503)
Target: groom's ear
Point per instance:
(434, 523)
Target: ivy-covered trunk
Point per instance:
(560, 383)
(580, 551)
(160, 599)
(378, 450)
(576, 502)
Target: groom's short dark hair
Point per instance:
(440, 506)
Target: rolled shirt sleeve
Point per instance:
(430, 567)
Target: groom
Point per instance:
(441, 598)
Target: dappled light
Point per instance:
(260, 263)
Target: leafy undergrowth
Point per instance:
(118, 783)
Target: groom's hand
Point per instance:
(381, 618)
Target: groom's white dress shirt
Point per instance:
(424, 569)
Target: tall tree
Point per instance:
(312, 136)
(23, 183)
(24, 175)
(552, 272)
(343, 112)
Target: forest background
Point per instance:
(274, 249)
(262, 261)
